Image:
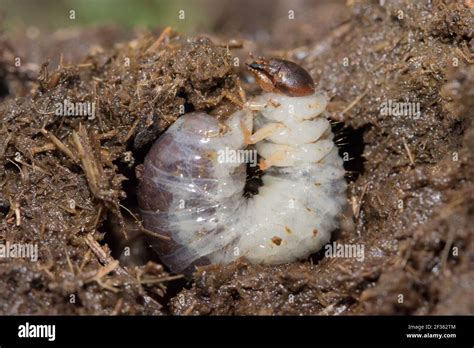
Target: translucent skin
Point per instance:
(291, 217)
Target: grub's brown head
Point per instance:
(282, 76)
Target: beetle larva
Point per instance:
(195, 199)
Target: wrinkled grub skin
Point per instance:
(133, 103)
(413, 216)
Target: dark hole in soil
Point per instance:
(4, 91)
(140, 249)
(172, 290)
(319, 255)
(350, 142)
(4, 206)
(254, 181)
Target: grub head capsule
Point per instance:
(282, 76)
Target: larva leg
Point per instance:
(264, 132)
(246, 132)
(233, 99)
(277, 157)
(255, 106)
(241, 91)
(287, 155)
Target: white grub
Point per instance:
(295, 210)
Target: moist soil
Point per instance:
(68, 184)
